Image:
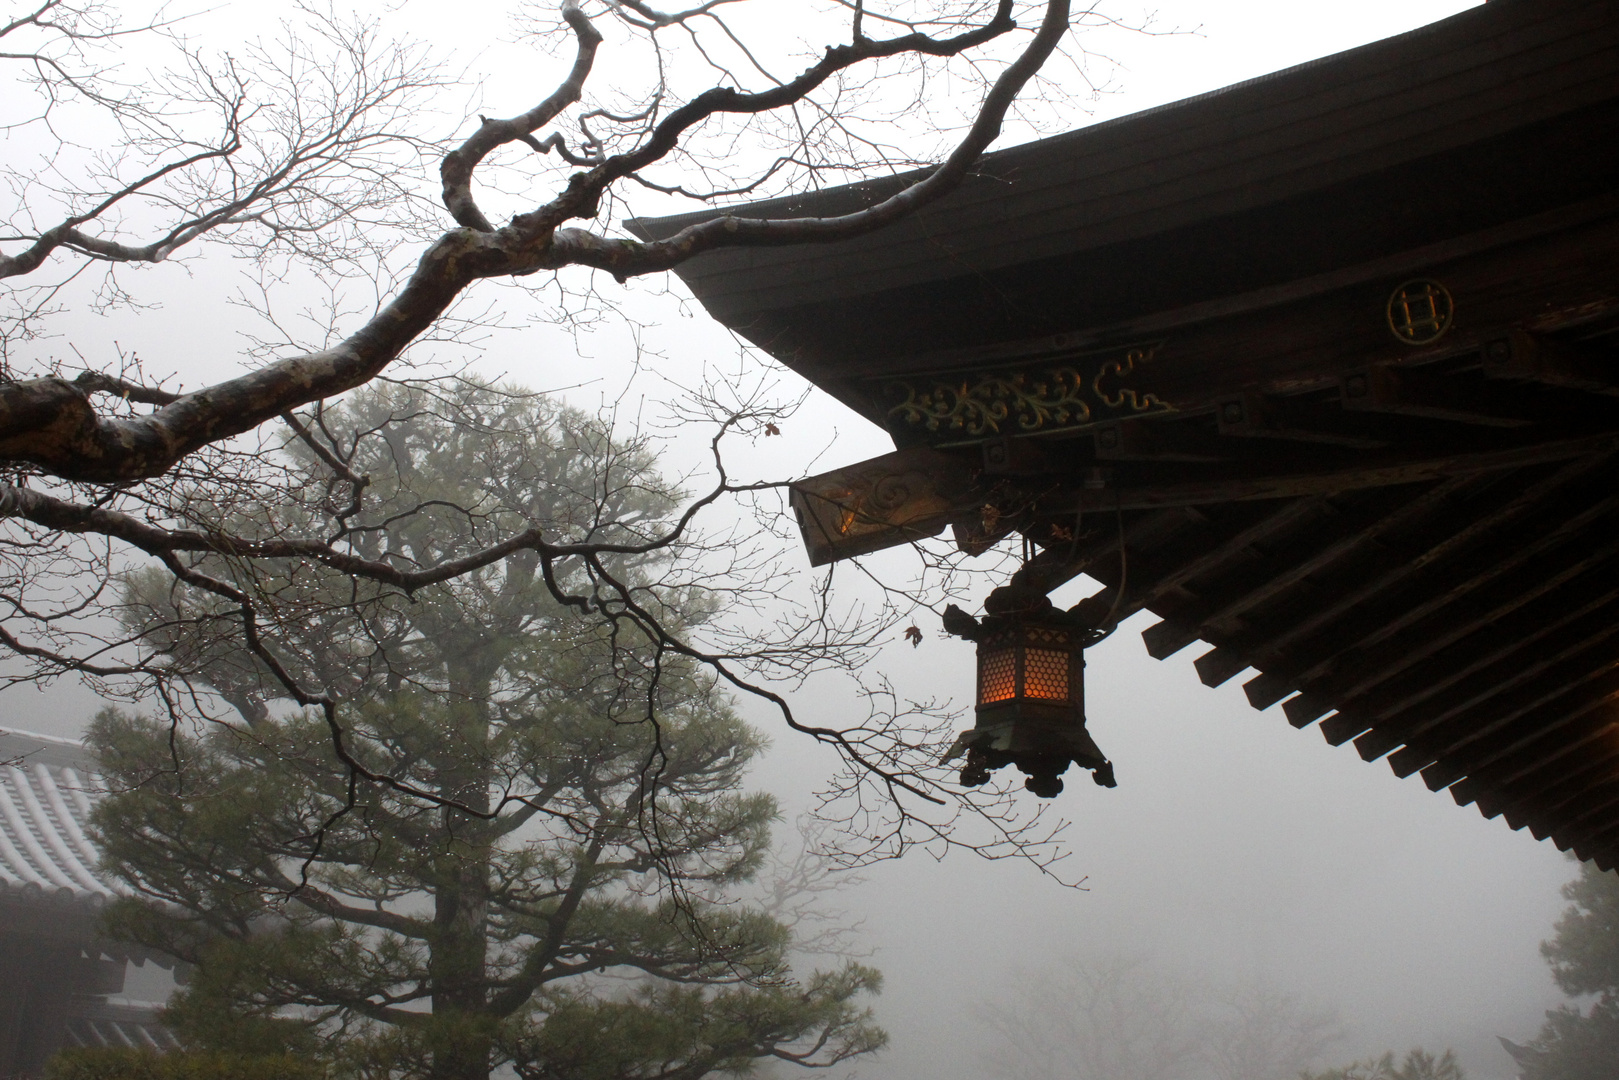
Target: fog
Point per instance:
(1236, 854)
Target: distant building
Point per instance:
(57, 972)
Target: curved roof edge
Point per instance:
(870, 190)
(48, 786)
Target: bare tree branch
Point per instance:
(49, 424)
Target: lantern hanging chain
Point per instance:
(1073, 542)
(1111, 622)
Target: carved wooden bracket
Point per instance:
(894, 499)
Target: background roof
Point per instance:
(47, 786)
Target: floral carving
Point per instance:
(984, 405)
(1012, 402)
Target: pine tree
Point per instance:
(1418, 1064)
(1584, 958)
(573, 913)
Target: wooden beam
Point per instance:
(1586, 818)
(1485, 658)
(1595, 839)
(1259, 416)
(1219, 664)
(1522, 357)
(1129, 491)
(1555, 796)
(1548, 782)
(1549, 796)
(1360, 525)
(1308, 707)
(1269, 687)
(1449, 579)
(1534, 769)
(1590, 845)
(1539, 770)
(1058, 563)
(1390, 390)
(1416, 725)
(1591, 709)
(1594, 822)
(1543, 278)
(1164, 440)
(1508, 735)
(1542, 685)
(1166, 638)
(1591, 853)
(1182, 628)
(1532, 540)
(1163, 573)
(1563, 693)
(1336, 633)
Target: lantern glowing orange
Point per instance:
(1031, 695)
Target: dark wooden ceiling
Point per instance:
(1175, 328)
(1464, 624)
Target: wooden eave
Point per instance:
(1415, 546)
(1352, 165)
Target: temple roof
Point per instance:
(47, 787)
(1322, 369)
(137, 1026)
(1501, 122)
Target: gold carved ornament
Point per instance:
(878, 502)
(1139, 402)
(1420, 311)
(981, 405)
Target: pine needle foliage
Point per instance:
(1418, 1064)
(569, 907)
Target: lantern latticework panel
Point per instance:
(1045, 674)
(997, 676)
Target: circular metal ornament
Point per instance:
(1420, 311)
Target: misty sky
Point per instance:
(1235, 850)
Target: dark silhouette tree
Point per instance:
(1584, 958)
(1418, 1064)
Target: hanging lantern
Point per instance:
(1031, 693)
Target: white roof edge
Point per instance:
(43, 845)
(34, 736)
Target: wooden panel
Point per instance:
(894, 499)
